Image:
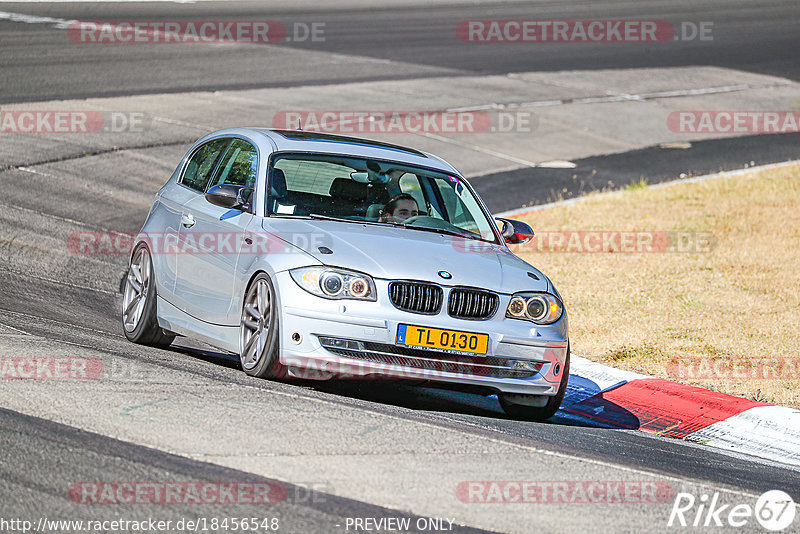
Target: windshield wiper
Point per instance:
(311, 216)
(468, 235)
(318, 217)
(331, 218)
(288, 216)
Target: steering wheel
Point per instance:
(415, 218)
(432, 222)
(427, 221)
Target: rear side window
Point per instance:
(202, 164)
(239, 165)
(311, 176)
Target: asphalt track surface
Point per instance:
(39, 63)
(65, 454)
(652, 164)
(73, 301)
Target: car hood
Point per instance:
(404, 254)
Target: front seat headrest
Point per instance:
(277, 184)
(348, 189)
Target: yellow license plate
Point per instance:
(439, 339)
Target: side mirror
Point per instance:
(515, 232)
(230, 196)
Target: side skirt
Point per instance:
(175, 320)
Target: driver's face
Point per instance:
(405, 209)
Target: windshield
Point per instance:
(374, 191)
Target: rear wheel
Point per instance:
(139, 317)
(258, 336)
(538, 413)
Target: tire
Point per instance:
(537, 413)
(139, 317)
(259, 332)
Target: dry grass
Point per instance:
(737, 305)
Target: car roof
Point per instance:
(308, 141)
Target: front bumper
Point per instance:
(521, 358)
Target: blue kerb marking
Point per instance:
(401, 334)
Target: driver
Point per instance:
(399, 208)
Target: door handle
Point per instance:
(187, 220)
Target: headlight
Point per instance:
(332, 283)
(540, 308)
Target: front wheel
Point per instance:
(139, 317)
(538, 413)
(258, 336)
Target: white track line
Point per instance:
(61, 24)
(624, 97)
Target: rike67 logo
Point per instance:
(774, 511)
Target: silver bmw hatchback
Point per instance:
(318, 256)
